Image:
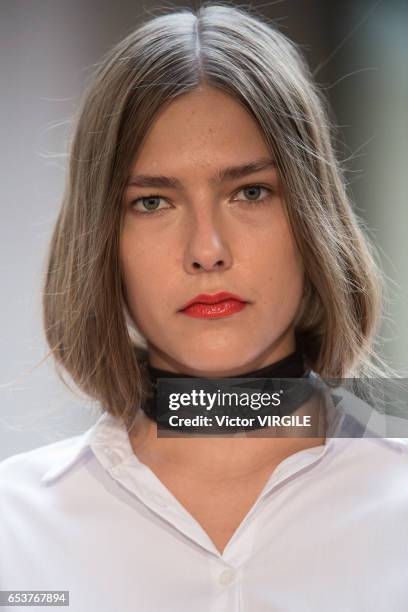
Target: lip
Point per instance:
(224, 308)
(205, 298)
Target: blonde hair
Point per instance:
(85, 316)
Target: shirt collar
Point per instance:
(109, 441)
(73, 450)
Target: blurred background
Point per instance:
(358, 50)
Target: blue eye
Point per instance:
(252, 193)
(150, 203)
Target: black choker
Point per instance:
(292, 366)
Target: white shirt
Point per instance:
(328, 533)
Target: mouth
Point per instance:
(222, 304)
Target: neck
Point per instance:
(216, 459)
(283, 350)
(221, 458)
(291, 366)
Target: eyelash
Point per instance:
(256, 202)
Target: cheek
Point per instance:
(145, 274)
(280, 272)
(135, 268)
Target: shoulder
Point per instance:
(28, 503)
(376, 418)
(372, 467)
(29, 467)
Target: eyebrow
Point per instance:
(225, 174)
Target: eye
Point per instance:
(147, 204)
(253, 193)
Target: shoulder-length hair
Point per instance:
(86, 318)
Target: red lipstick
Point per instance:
(213, 306)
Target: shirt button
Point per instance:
(227, 576)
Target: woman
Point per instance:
(201, 164)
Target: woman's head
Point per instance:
(188, 95)
(203, 213)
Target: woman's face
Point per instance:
(203, 215)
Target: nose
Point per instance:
(206, 247)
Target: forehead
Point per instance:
(204, 128)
